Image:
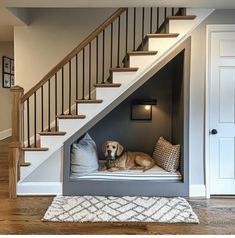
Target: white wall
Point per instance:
(6, 49)
(52, 34)
(197, 95)
(54, 164)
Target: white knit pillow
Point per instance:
(166, 155)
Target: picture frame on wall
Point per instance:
(6, 81)
(12, 80)
(12, 67)
(6, 65)
(8, 72)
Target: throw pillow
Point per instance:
(166, 155)
(84, 158)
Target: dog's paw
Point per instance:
(102, 167)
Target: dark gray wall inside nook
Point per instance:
(166, 88)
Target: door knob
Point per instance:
(214, 131)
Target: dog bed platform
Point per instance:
(155, 173)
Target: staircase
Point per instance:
(86, 82)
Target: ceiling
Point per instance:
(222, 4)
(8, 20)
(20, 9)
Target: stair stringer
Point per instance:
(75, 128)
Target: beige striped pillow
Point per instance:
(166, 155)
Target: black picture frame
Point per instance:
(8, 72)
(6, 81)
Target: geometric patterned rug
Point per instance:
(120, 209)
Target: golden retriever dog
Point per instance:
(118, 159)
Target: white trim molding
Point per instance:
(39, 188)
(5, 134)
(209, 30)
(197, 190)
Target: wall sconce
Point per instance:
(141, 109)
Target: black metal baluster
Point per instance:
(142, 43)
(56, 122)
(76, 81)
(111, 46)
(70, 87)
(89, 71)
(126, 30)
(62, 91)
(103, 62)
(49, 105)
(76, 75)
(118, 48)
(151, 20)
(158, 19)
(83, 73)
(134, 23)
(165, 16)
(172, 11)
(35, 120)
(97, 59)
(28, 123)
(42, 110)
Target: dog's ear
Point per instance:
(119, 150)
(104, 148)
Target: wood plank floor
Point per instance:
(23, 215)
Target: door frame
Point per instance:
(209, 30)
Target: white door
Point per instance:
(222, 113)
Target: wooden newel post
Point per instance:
(17, 113)
(16, 155)
(13, 161)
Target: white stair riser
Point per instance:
(71, 125)
(88, 108)
(107, 93)
(142, 61)
(160, 44)
(124, 78)
(180, 26)
(51, 141)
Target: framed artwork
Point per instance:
(8, 73)
(6, 81)
(12, 80)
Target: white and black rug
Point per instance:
(120, 209)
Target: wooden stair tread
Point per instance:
(189, 17)
(89, 101)
(134, 69)
(142, 53)
(166, 35)
(25, 164)
(71, 116)
(52, 133)
(35, 149)
(107, 85)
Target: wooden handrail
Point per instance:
(75, 51)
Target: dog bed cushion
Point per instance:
(166, 155)
(84, 158)
(153, 174)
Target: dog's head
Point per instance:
(112, 149)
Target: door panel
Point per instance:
(222, 113)
(227, 94)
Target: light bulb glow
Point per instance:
(147, 107)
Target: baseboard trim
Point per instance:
(4, 134)
(197, 190)
(39, 188)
